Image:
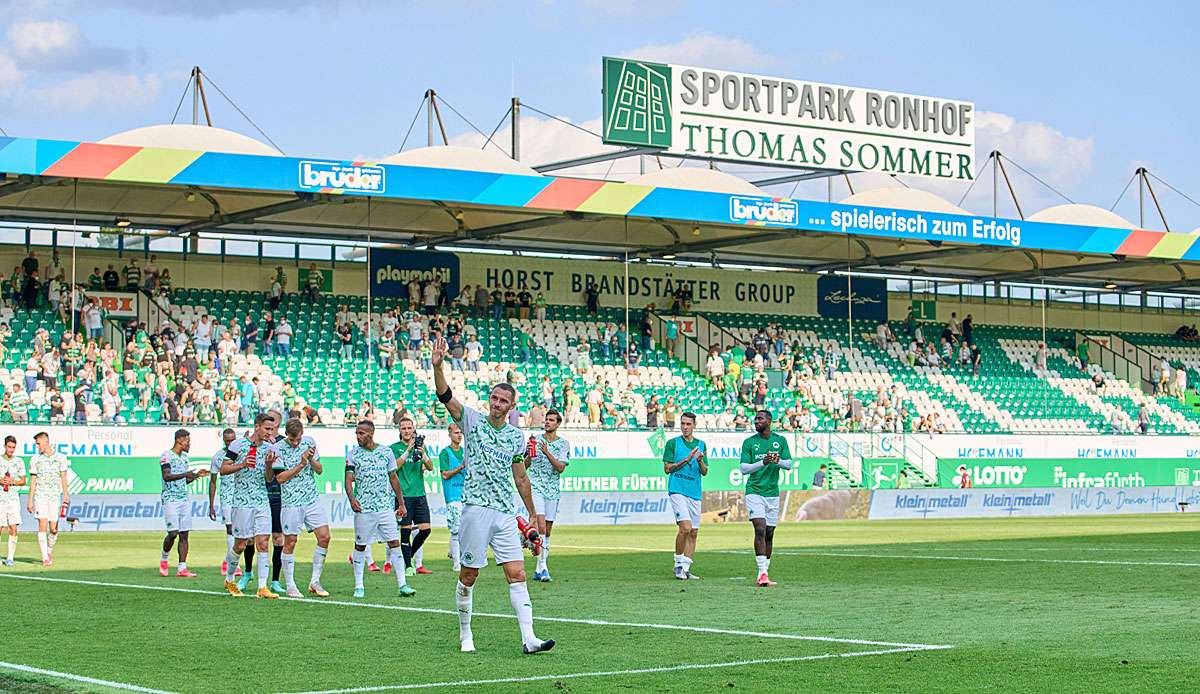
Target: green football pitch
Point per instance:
(1054, 605)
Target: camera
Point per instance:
(418, 444)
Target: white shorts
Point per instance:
(763, 507)
(251, 522)
(295, 519)
(47, 508)
(454, 511)
(10, 513)
(545, 507)
(484, 527)
(177, 515)
(685, 509)
(375, 526)
(226, 513)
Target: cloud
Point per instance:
(705, 50)
(1061, 160)
(10, 75)
(100, 90)
(544, 140)
(631, 8)
(57, 45)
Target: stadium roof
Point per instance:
(191, 179)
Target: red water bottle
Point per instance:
(252, 457)
(62, 512)
(531, 447)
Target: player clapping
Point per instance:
(295, 469)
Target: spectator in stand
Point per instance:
(30, 264)
(481, 301)
(1081, 353)
(1181, 383)
(112, 280)
(474, 353)
(457, 352)
(345, 341)
(111, 402)
(316, 280)
(968, 329)
(539, 307)
(595, 403)
(525, 345)
(425, 351)
(646, 329)
(592, 299)
(386, 351)
(249, 335)
(670, 413)
(276, 293)
(415, 330)
(1143, 419)
(496, 303)
(150, 273)
(954, 327)
(30, 291)
(510, 303)
(524, 304)
(342, 316)
(431, 294)
(95, 281)
(671, 335)
(16, 402)
(283, 337)
(268, 332)
(133, 276)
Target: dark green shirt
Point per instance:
(409, 470)
(764, 482)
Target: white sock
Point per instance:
(462, 598)
(518, 595)
(43, 546)
(687, 562)
(761, 562)
(360, 563)
(679, 560)
(369, 556)
(228, 543)
(264, 568)
(318, 564)
(52, 539)
(289, 569)
(544, 555)
(395, 556)
(419, 557)
(232, 559)
(12, 546)
(166, 556)
(183, 566)
(454, 551)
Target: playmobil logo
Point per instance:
(763, 211)
(328, 175)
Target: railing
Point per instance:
(1125, 360)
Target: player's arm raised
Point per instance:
(453, 406)
(230, 464)
(521, 479)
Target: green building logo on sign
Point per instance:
(637, 103)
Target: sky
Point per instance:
(1078, 93)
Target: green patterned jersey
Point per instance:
(224, 484)
(15, 467)
(175, 464)
(489, 453)
(249, 484)
(542, 475)
(372, 470)
(764, 482)
(47, 469)
(301, 489)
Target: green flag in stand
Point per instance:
(658, 442)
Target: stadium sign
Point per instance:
(1044, 501)
(731, 116)
(337, 177)
(392, 269)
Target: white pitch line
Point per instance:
(434, 610)
(80, 678)
(1004, 560)
(618, 673)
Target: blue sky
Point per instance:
(1078, 93)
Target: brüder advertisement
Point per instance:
(732, 116)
